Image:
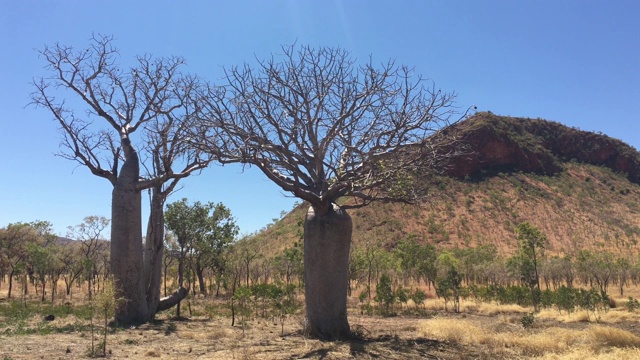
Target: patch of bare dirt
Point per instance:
(203, 338)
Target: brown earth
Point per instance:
(398, 337)
(202, 338)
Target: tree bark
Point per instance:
(200, 275)
(126, 241)
(173, 299)
(327, 239)
(181, 280)
(10, 283)
(153, 251)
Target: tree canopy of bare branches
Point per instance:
(115, 121)
(322, 127)
(154, 96)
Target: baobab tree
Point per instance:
(117, 122)
(323, 128)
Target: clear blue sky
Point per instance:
(576, 62)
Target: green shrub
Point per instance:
(527, 320)
(546, 298)
(402, 295)
(171, 328)
(385, 296)
(418, 297)
(565, 299)
(632, 304)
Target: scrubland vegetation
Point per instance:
(525, 245)
(410, 301)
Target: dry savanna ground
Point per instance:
(480, 331)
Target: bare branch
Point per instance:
(321, 127)
(154, 95)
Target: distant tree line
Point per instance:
(204, 255)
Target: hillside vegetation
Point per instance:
(467, 273)
(579, 188)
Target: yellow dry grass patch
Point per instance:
(210, 334)
(495, 309)
(612, 316)
(558, 341)
(602, 337)
(576, 316)
(434, 304)
(452, 330)
(618, 315)
(152, 353)
(584, 354)
(469, 306)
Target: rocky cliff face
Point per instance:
(581, 189)
(507, 144)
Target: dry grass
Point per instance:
(451, 330)
(613, 316)
(576, 316)
(602, 337)
(549, 341)
(469, 306)
(485, 330)
(583, 354)
(152, 353)
(211, 334)
(619, 315)
(495, 309)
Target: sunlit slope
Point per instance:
(580, 188)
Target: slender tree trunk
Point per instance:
(164, 281)
(10, 283)
(247, 269)
(126, 241)
(200, 275)
(54, 288)
(89, 287)
(327, 239)
(67, 285)
(44, 284)
(180, 277)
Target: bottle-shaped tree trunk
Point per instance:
(126, 241)
(327, 239)
(153, 250)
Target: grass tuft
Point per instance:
(553, 340)
(152, 353)
(602, 337)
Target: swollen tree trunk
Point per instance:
(153, 256)
(153, 251)
(327, 238)
(126, 241)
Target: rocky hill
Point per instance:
(580, 188)
(499, 143)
